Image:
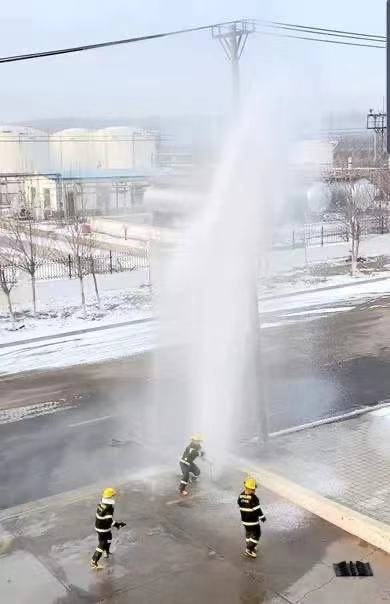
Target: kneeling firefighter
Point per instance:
(251, 514)
(187, 462)
(104, 522)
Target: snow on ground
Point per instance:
(123, 298)
(293, 284)
(282, 260)
(66, 351)
(8, 416)
(124, 341)
(350, 293)
(290, 270)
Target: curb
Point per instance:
(332, 419)
(322, 289)
(76, 332)
(368, 529)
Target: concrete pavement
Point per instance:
(179, 551)
(346, 463)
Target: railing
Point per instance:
(322, 234)
(69, 267)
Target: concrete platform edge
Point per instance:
(368, 529)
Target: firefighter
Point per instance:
(104, 522)
(188, 465)
(251, 514)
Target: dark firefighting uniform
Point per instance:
(187, 464)
(251, 514)
(104, 522)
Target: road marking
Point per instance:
(90, 421)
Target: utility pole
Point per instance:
(378, 123)
(233, 37)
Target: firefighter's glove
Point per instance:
(263, 519)
(119, 525)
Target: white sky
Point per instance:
(183, 75)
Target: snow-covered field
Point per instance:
(285, 271)
(351, 293)
(283, 260)
(123, 298)
(66, 351)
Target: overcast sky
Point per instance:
(182, 75)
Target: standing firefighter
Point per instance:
(187, 463)
(103, 524)
(251, 514)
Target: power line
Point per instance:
(315, 31)
(324, 31)
(84, 47)
(320, 34)
(323, 40)
(335, 34)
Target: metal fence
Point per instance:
(322, 234)
(69, 267)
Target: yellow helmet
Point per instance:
(196, 438)
(109, 492)
(250, 483)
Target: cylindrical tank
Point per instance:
(23, 149)
(115, 147)
(145, 150)
(73, 150)
(124, 148)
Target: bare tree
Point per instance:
(83, 252)
(30, 250)
(354, 198)
(75, 238)
(382, 200)
(90, 244)
(8, 277)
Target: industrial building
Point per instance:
(98, 171)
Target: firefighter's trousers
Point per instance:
(186, 471)
(103, 545)
(252, 534)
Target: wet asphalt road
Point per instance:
(314, 366)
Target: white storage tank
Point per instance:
(145, 149)
(73, 150)
(23, 149)
(124, 148)
(115, 147)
